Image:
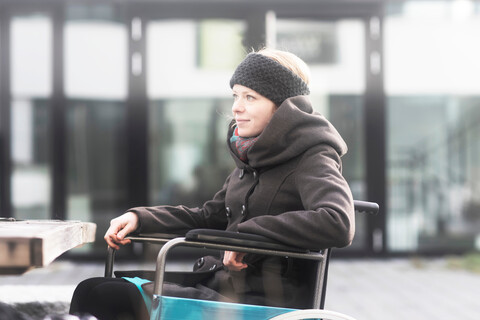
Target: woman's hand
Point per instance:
(120, 227)
(234, 260)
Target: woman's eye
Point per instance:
(250, 98)
(234, 96)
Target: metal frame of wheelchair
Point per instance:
(223, 240)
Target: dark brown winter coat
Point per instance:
(291, 190)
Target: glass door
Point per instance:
(67, 69)
(433, 101)
(133, 101)
(96, 79)
(189, 64)
(335, 50)
(189, 99)
(31, 80)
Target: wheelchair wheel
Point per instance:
(312, 314)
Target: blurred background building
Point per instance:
(111, 104)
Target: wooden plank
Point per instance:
(15, 252)
(36, 243)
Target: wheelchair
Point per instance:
(172, 308)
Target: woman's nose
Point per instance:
(237, 106)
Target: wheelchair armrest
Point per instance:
(155, 238)
(238, 239)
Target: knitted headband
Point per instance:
(269, 78)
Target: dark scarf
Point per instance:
(241, 145)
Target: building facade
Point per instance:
(107, 105)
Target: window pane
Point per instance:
(31, 79)
(433, 100)
(96, 59)
(189, 67)
(335, 52)
(31, 56)
(188, 154)
(95, 83)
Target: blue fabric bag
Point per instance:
(170, 308)
(138, 282)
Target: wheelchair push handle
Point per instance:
(365, 206)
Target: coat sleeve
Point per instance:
(180, 219)
(328, 218)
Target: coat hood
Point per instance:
(294, 128)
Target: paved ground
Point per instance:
(365, 289)
(403, 289)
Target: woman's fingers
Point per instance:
(119, 228)
(234, 260)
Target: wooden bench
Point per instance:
(36, 243)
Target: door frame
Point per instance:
(255, 13)
(57, 152)
(374, 118)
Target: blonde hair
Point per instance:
(289, 61)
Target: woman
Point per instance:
(287, 186)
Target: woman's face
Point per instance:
(251, 110)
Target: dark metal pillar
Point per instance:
(58, 110)
(137, 113)
(5, 132)
(375, 135)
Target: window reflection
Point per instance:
(433, 118)
(31, 81)
(188, 153)
(334, 50)
(96, 87)
(96, 59)
(183, 60)
(189, 65)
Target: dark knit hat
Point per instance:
(269, 78)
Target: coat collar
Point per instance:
(294, 128)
